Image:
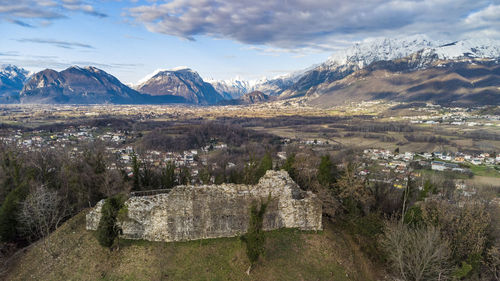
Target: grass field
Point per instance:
(485, 171)
(290, 255)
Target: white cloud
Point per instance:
(484, 18)
(319, 24)
(33, 13)
(57, 43)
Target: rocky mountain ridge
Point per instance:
(359, 56)
(83, 85)
(184, 83)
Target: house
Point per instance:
(443, 166)
(476, 161)
(426, 155)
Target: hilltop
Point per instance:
(290, 255)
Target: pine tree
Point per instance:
(325, 174)
(255, 237)
(168, 176)
(289, 166)
(108, 229)
(266, 163)
(184, 176)
(9, 211)
(136, 170)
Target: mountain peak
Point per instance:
(364, 53)
(180, 68)
(77, 85)
(180, 81)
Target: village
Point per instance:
(396, 168)
(382, 165)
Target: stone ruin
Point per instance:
(212, 211)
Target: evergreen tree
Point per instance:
(266, 163)
(184, 176)
(255, 238)
(235, 176)
(14, 190)
(289, 166)
(325, 171)
(136, 170)
(168, 176)
(108, 229)
(9, 213)
(147, 177)
(12, 169)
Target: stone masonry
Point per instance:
(211, 211)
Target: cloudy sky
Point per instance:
(221, 39)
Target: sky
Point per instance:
(221, 39)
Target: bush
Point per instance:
(108, 229)
(255, 237)
(416, 253)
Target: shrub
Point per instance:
(416, 253)
(108, 229)
(255, 237)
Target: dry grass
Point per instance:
(290, 255)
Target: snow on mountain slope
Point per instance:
(13, 74)
(236, 88)
(423, 51)
(12, 79)
(233, 88)
(362, 54)
(473, 48)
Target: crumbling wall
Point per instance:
(211, 211)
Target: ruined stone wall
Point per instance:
(211, 211)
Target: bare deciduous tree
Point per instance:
(41, 213)
(493, 262)
(352, 188)
(416, 254)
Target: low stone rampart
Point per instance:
(212, 211)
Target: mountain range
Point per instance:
(87, 85)
(462, 73)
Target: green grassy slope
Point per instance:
(290, 255)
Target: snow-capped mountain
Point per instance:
(12, 79)
(14, 73)
(233, 88)
(462, 73)
(361, 55)
(423, 51)
(236, 88)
